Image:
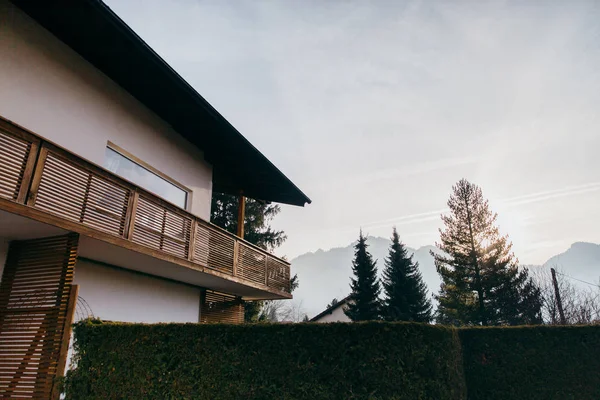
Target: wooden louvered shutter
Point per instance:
(220, 307)
(36, 305)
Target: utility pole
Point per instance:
(558, 300)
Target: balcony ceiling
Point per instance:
(95, 32)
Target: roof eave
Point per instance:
(78, 24)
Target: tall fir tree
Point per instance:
(405, 293)
(481, 282)
(363, 302)
(257, 230)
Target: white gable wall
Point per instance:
(337, 315)
(49, 89)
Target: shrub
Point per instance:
(300, 361)
(333, 361)
(540, 362)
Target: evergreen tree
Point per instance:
(257, 230)
(363, 303)
(519, 302)
(258, 215)
(532, 303)
(481, 282)
(405, 293)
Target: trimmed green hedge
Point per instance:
(334, 361)
(300, 361)
(542, 362)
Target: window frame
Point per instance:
(145, 165)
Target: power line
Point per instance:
(570, 277)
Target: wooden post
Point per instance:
(130, 216)
(37, 176)
(192, 241)
(28, 172)
(162, 230)
(266, 270)
(558, 300)
(86, 196)
(241, 216)
(236, 250)
(66, 339)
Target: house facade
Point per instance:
(108, 161)
(334, 313)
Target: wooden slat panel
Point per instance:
(14, 154)
(251, 264)
(161, 228)
(221, 308)
(81, 195)
(213, 249)
(34, 314)
(279, 275)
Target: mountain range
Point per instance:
(325, 274)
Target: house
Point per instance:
(108, 161)
(335, 313)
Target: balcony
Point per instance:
(48, 184)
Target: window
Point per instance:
(125, 165)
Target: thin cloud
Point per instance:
(402, 220)
(399, 172)
(551, 194)
(529, 198)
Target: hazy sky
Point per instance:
(374, 109)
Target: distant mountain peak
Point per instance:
(581, 260)
(584, 246)
(325, 274)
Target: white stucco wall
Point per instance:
(49, 89)
(336, 315)
(118, 295)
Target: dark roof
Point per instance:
(95, 32)
(329, 310)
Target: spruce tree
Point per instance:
(405, 293)
(363, 302)
(481, 282)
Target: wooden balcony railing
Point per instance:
(50, 179)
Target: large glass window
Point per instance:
(144, 177)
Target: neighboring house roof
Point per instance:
(330, 309)
(94, 31)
